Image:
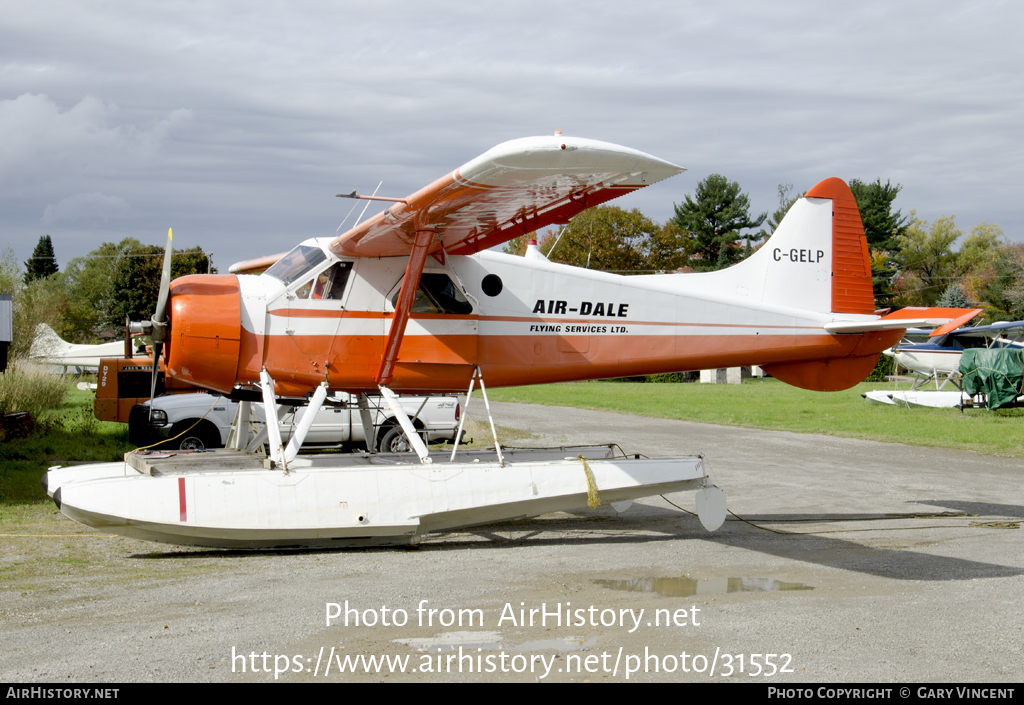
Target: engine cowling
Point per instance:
(205, 330)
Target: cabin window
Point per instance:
(437, 293)
(297, 263)
(329, 285)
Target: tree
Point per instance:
(1002, 293)
(135, 281)
(882, 226)
(977, 259)
(88, 283)
(43, 261)
(669, 248)
(517, 245)
(715, 219)
(953, 297)
(607, 238)
(980, 248)
(42, 300)
(786, 201)
(11, 278)
(926, 260)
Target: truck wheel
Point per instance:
(395, 441)
(199, 438)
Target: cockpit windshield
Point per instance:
(296, 263)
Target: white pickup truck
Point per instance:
(337, 425)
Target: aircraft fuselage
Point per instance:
(521, 319)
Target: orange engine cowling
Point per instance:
(205, 329)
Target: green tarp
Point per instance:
(996, 373)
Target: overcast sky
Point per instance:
(235, 123)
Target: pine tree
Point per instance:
(883, 228)
(43, 262)
(714, 219)
(953, 297)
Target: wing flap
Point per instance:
(511, 190)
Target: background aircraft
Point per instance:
(940, 356)
(49, 349)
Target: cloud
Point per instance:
(86, 205)
(42, 140)
(228, 121)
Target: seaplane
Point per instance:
(938, 359)
(414, 300)
(48, 348)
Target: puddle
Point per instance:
(451, 641)
(688, 587)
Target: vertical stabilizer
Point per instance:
(816, 260)
(47, 344)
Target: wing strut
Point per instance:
(403, 308)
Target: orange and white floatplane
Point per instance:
(413, 301)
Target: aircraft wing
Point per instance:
(257, 265)
(990, 331)
(513, 189)
(946, 319)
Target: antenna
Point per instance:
(561, 230)
(346, 217)
(365, 198)
(368, 203)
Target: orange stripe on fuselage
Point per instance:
(316, 313)
(509, 360)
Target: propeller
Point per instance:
(156, 327)
(128, 349)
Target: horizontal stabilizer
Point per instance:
(946, 319)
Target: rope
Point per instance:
(216, 399)
(593, 497)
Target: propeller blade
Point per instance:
(160, 319)
(157, 349)
(127, 337)
(160, 316)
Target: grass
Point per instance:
(773, 405)
(47, 556)
(28, 387)
(65, 435)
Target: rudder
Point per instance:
(851, 263)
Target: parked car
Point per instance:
(337, 425)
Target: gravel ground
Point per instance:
(885, 563)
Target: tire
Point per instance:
(199, 438)
(394, 441)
